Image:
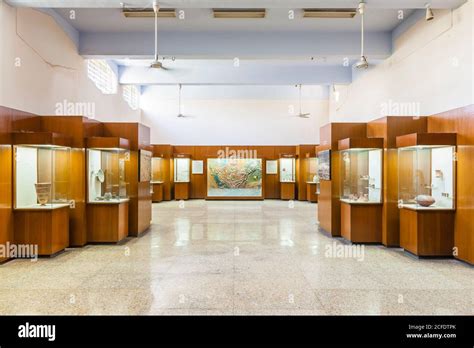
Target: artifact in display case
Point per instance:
(361, 175)
(234, 178)
(106, 174)
(426, 177)
(361, 189)
(145, 165)
(41, 176)
(324, 165)
(426, 188)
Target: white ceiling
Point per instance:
(112, 20)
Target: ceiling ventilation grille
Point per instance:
(145, 13)
(239, 13)
(329, 12)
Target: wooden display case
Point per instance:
(181, 176)
(311, 192)
(41, 174)
(427, 185)
(107, 187)
(287, 170)
(361, 189)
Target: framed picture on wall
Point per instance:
(197, 167)
(271, 167)
(145, 165)
(324, 165)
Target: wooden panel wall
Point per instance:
(461, 121)
(389, 128)
(198, 189)
(329, 206)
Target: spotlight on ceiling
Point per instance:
(362, 63)
(429, 12)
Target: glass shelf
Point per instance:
(287, 170)
(182, 169)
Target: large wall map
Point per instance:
(234, 177)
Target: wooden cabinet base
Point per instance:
(48, 228)
(107, 223)
(361, 223)
(181, 190)
(287, 190)
(157, 193)
(427, 232)
(311, 195)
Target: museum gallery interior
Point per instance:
(287, 157)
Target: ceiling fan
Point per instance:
(156, 64)
(301, 115)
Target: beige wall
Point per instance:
(40, 67)
(431, 69)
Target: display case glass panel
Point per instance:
(182, 169)
(234, 177)
(426, 177)
(312, 174)
(41, 176)
(287, 170)
(107, 176)
(157, 170)
(361, 175)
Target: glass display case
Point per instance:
(41, 175)
(361, 175)
(107, 176)
(182, 166)
(287, 170)
(312, 173)
(426, 177)
(157, 167)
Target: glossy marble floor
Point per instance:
(235, 258)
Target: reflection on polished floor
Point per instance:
(208, 257)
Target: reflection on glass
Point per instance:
(41, 177)
(312, 175)
(157, 168)
(107, 181)
(361, 175)
(287, 170)
(426, 177)
(182, 169)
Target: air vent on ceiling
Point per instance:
(329, 12)
(144, 13)
(239, 13)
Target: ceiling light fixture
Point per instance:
(301, 113)
(362, 63)
(429, 12)
(239, 13)
(156, 64)
(329, 12)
